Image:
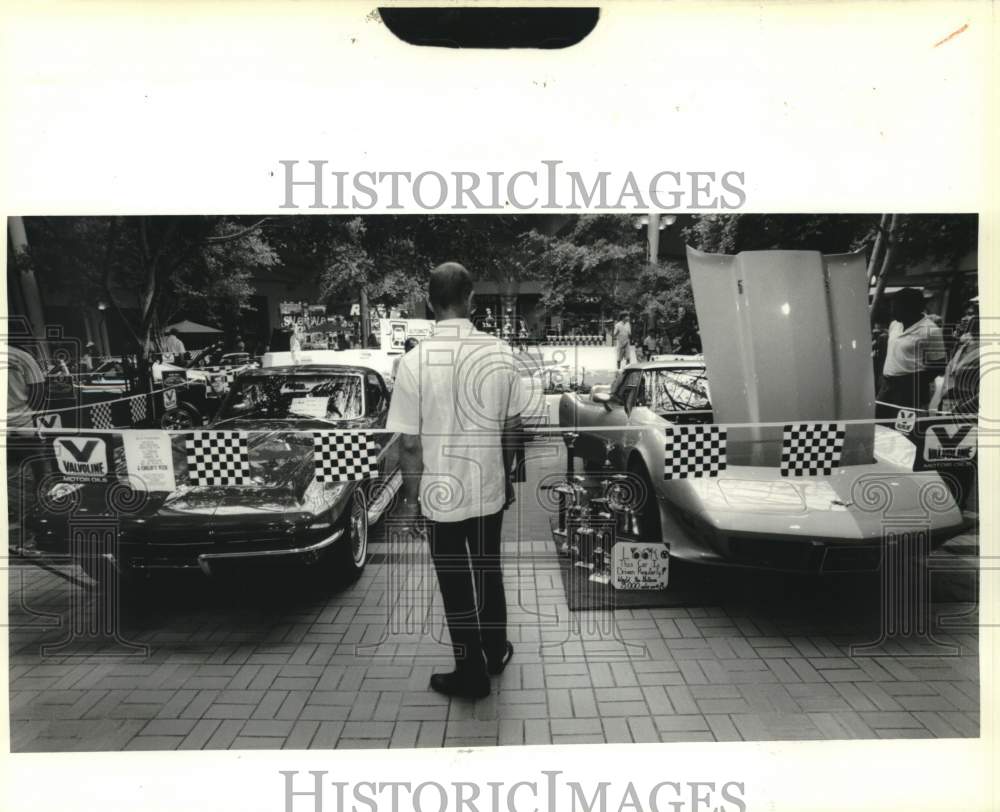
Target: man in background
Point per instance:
(87, 359)
(173, 347)
(622, 335)
(915, 354)
(456, 402)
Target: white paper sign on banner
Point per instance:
(639, 565)
(149, 460)
(309, 406)
(81, 457)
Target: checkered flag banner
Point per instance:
(809, 449)
(218, 458)
(343, 457)
(694, 451)
(137, 405)
(100, 416)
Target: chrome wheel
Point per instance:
(178, 418)
(358, 528)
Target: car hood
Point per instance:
(282, 479)
(786, 338)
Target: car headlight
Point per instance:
(319, 497)
(63, 490)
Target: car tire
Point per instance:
(346, 561)
(181, 417)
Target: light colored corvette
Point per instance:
(786, 340)
(749, 515)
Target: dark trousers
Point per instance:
(466, 558)
(902, 392)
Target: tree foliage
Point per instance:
(150, 269)
(592, 265)
(937, 238)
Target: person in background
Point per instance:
(26, 395)
(373, 340)
(87, 359)
(960, 385)
(173, 345)
(295, 339)
(622, 335)
(458, 423)
(649, 344)
(915, 354)
(408, 345)
(880, 346)
(240, 345)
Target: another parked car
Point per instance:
(282, 514)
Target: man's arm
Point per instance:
(513, 441)
(411, 465)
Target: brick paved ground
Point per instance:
(272, 663)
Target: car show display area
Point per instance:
(272, 658)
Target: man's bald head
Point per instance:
(449, 290)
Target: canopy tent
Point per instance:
(188, 326)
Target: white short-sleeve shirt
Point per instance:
(910, 350)
(23, 371)
(455, 390)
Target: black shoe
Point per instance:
(467, 686)
(496, 667)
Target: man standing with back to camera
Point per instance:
(456, 402)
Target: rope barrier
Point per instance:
(533, 430)
(78, 406)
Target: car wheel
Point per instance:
(179, 418)
(349, 555)
(648, 513)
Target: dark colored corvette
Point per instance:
(282, 515)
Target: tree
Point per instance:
(892, 242)
(150, 269)
(594, 264)
(661, 290)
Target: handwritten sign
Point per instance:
(638, 565)
(149, 460)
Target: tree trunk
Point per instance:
(883, 274)
(29, 286)
(365, 316)
(875, 258)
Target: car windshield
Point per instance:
(676, 390)
(295, 397)
(110, 368)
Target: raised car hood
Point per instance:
(786, 338)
